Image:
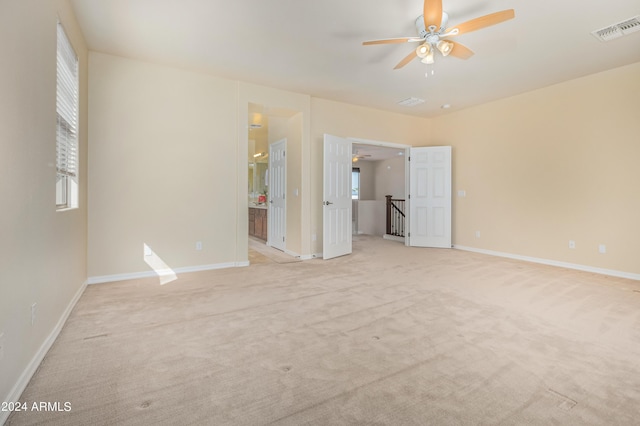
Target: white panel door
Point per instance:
(430, 197)
(336, 204)
(277, 215)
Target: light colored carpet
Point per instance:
(387, 336)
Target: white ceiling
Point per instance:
(370, 152)
(315, 47)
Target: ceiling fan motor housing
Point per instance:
(423, 32)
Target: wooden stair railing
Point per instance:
(395, 216)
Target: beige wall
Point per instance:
(549, 166)
(371, 217)
(367, 179)
(390, 178)
(294, 183)
(43, 252)
(163, 166)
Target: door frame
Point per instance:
(407, 169)
(407, 152)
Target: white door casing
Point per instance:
(430, 197)
(336, 204)
(277, 215)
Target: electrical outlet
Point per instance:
(602, 248)
(198, 245)
(314, 237)
(33, 313)
(572, 244)
(2, 345)
(477, 234)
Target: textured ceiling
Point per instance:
(315, 47)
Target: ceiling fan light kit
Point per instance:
(444, 47)
(428, 59)
(432, 30)
(423, 50)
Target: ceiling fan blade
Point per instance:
(484, 21)
(406, 60)
(460, 51)
(432, 13)
(392, 40)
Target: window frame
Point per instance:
(354, 171)
(67, 122)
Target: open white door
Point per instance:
(277, 218)
(430, 197)
(336, 204)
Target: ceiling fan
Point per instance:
(433, 33)
(357, 156)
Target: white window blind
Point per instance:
(67, 123)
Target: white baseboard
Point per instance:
(585, 268)
(150, 274)
(393, 238)
(296, 255)
(291, 253)
(211, 267)
(300, 256)
(25, 377)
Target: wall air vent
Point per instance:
(618, 30)
(409, 102)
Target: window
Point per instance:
(67, 124)
(355, 183)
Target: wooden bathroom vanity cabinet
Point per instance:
(258, 222)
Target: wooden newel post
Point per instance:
(388, 213)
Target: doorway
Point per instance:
(428, 215)
(379, 172)
(274, 150)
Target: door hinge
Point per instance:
(409, 157)
(409, 197)
(283, 239)
(409, 234)
(284, 153)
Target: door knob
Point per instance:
(326, 203)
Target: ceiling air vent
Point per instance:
(409, 102)
(618, 30)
